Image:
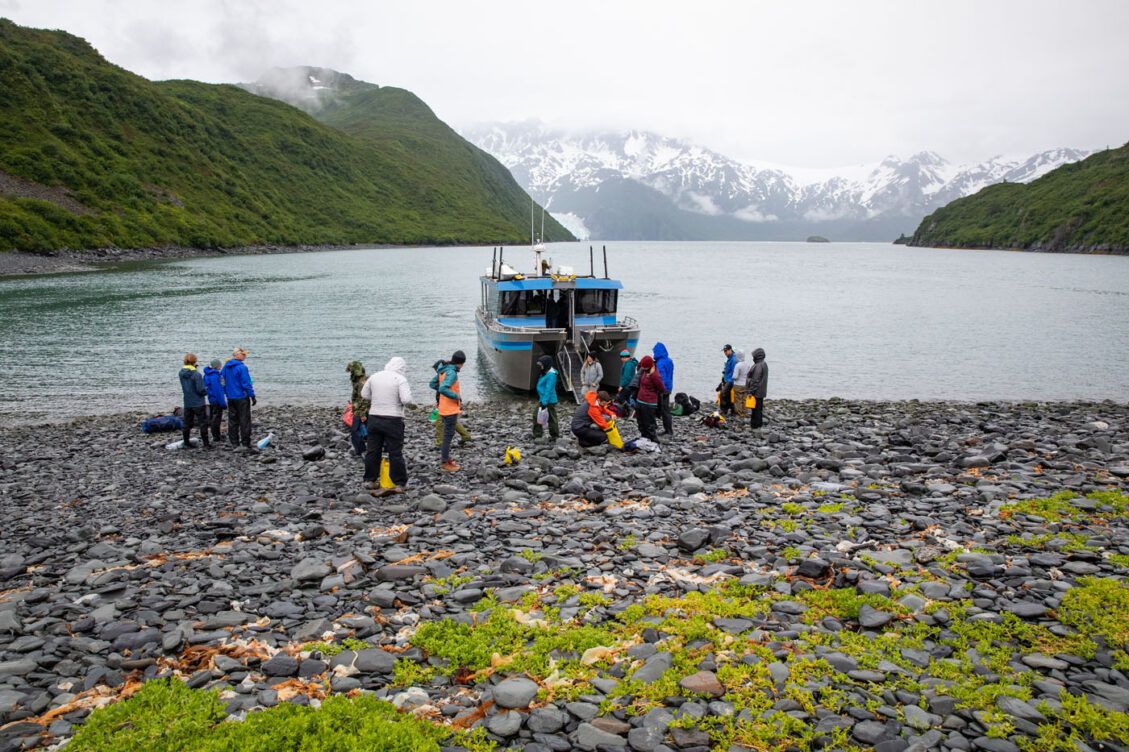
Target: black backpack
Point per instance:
(690, 405)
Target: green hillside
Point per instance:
(402, 125)
(1081, 207)
(92, 156)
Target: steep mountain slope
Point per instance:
(401, 124)
(869, 202)
(92, 155)
(1080, 207)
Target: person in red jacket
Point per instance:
(590, 422)
(651, 388)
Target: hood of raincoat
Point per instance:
(660, 351)
(758, 355)
(396, 365)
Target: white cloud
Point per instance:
(753, 214)
(814, 83)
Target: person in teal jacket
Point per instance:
(546, 398)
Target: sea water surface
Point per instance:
(853, 320)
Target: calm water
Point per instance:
(851, 320)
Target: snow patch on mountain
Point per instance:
(560, 167)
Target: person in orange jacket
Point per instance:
(592, 419)
(446, 384)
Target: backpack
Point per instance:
(162, 423)
(689, 404)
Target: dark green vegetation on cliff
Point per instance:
(92, 155)
(1079, 207)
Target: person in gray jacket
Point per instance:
(740, 373)
(757, 385)
(194, 391)
(591, 374)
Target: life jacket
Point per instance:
(448, 406)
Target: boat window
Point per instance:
(594, 302)
(523, 303)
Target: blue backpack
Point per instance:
(162, 423)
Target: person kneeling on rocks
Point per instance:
(591, 421)
(388, 393)
(195, 414)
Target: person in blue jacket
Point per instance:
(240, 393)
(546, 398)
(725, 388)
(665, 366)
(217, 402)
(195, 413)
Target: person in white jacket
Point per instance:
(388, 393)
(740, 373)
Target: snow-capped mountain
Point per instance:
(700, 194)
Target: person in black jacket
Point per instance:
(757, 386)
(195, 414)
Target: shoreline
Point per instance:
(24, 263)
(905, 572)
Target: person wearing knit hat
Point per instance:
(446, 385)
(647, 399)
(628, 383)
(217, 402)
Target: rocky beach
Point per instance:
(856, 576)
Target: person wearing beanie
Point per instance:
(460, 429)
(592, 420)
(195, 412)
(446, 385)
(217, 402)
(647, 400)
(360, 405)
(725, 388)
(546, 398)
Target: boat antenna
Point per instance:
(591, 263)
(605, 262)
(494, 263)
(542, 224)
(501, 249)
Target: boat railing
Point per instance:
(492, 321)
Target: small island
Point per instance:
(817, 239)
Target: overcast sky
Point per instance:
(816, 84)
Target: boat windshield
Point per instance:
(523, 303)
(593, 302)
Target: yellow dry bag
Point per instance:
(386, 475)
(613, 435)
(751, 402)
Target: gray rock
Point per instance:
(703, 683)
(546, 720)
(374, 661)
(872, 618)
(310, 570)
(281, 665)
(504, 724)
(515, 692)
(590, 737)
(653, 668)
(693, 539)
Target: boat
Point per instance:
(554, 312)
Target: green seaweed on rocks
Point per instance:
(167, 716)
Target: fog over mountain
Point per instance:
(639, 185)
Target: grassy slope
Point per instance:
(1078, 207)
(400, 123)
(186, 163)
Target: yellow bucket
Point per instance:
(386, 475)
(751, 402)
